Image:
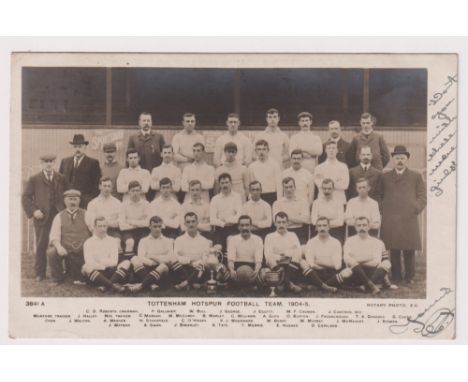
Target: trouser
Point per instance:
(71, 264)
(409, 263)
(42, 232)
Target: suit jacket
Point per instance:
(379, 149)
(85, 178)
(372, 175)
(342, 150)
(148, 147)
(36, 196)
(402, 199)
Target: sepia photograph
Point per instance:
(230, 177)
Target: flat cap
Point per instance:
(72, 193)
(109, 147)
(48, 156)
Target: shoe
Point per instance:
(101, 288)
(409, 282)
(154, 287)
(373, 288)
(39, 278)
(182, 285)
(196, 285)
(328, 288)
(294, 288)
(119, 288)
(78, 282)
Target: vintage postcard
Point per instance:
(233, 196)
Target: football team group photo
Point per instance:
(224, 182)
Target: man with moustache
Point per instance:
(81, 172)
(258, 210)
(245, 254)
(167, 208)
(110, 167)
(195, 203)
(368, 137)
(133, 173)
(323, 258)
(334, 128)
(42, 199)
(402, 196)
(67, 236)
(304, 180)
(167, 169)
(147, 143)
(364, 170)
(243, 144)
(184, 141)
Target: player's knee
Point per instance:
(163, 269)
(126, 264)
(346, 273)
(386, 265)
(86, 270)
(136, 262)
(303, 264)
(129, 244)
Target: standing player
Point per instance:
(364, 254)
(283, 252)
(307, 142)
(323, 258)
(133, 218)
(278, 141)
(298, 210)
(101, 259)
(364, 170)
(245, 253)
(110, 167)
(335, 170)
(266, 171)
(304, 180)
(334, 128)
(168, 208)
(199, 170)
(133, 173)
(42, 199)
(167, 169)
(184, 141)
(155, 258)
(225, 209)
(258, 210)
(239, 173)
(200, 207)
(244, 146)
(67, 236)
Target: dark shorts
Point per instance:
(302, 233)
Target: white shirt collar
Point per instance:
(400, 172)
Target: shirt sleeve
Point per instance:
(208, 179)
(177, 179)
(232, 249)
(247, 151)
(258, 250)
(142, 250)
(267, 221)
(55, 235)
(113, 256)
(310, 254)
(339, 219)
(342, 182)
(218, 151)
(375, 216)
(145, 182)
(90, 215)
(123, 225)
(174, 222)
(337, 255)
(90, 256)
(184, 184)
(318, 176)
(314, 214)
(296, 251)
(155, 179)
(214, 220)
(179, 253)
(270, 256)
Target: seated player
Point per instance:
(329, 206)
(365, 256)
(155, 258)
(362, 205)
(265, 170)
(101, 259)
(199, 170)
(167, 169)
(107, 206)
(200, 207)
(133, 173)
(67, 236)
(303, 178)
(225, 209)
(283, 252)
(239, 173)
(194, 262)
(258, 210)
(323, 258)
(133, 219)
(167, 207)
(297, 209)
(245, 254)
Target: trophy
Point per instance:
(273, 279)
(211, 284)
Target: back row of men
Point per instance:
(183, 173)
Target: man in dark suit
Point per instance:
(364, 170)
(42, 199)
(334, 128)
(402, 197)
(81, 172)
(147, 142)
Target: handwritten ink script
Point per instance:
(431, 321)
(442, 144)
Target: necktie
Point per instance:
(76, 162)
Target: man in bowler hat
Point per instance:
(42, 199)
(403, 197)
(81, 172)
